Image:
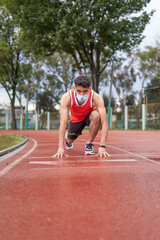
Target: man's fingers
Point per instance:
(66, 155)
(56, 155)
(104, 154)
(107, 154)
(59, 155)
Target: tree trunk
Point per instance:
(13, 106)
(20, 102)
(95, 82)
(94, 79)
(13, 125)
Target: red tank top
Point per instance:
(80, 112)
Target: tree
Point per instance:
(123, 83)
(150, 62)
(105, 98)
(91, 31)
(123, 80)
(51, 76)
(149, 70)
(62, 70)
(12, 58)
(124, 77)
(152, 91)
(130, 99)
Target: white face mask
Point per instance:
(83, 98)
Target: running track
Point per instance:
(78, 197)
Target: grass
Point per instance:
(7, 141)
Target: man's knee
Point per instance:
(95, 117)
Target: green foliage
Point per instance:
(50, 78)
(152, 91)
(150, 62)
(45, 102)
(13, 68)
(62, 70)
(91, 31)
(113, 102)
(130, 99)
(124, 78)
(150, 72)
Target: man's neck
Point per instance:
(79, 102)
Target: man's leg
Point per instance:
(74, 130)
(94, 125)
(69, 141)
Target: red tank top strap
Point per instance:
(71, 93)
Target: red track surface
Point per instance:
(78, 197)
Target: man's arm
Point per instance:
(65, 101)
(99, 103)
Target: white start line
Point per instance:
(74, 167)
(81, 161)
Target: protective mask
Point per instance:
(83, 98)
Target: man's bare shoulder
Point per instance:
(96, 95)
(65, 99)
(97, 99)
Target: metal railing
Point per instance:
(130, 117)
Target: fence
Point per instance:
(136, 117)
(130, 117)
(48, 120)
(153, 116)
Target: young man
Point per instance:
(87, 109)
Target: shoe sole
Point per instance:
(89, 153)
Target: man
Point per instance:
(87, 109)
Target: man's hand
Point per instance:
(60, 153)
(102, 152)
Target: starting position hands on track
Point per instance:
(61, 153)
(102, 152)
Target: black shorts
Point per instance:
(75, 129)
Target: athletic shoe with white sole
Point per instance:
(68, 146)
(89, 149)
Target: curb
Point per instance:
(10, 149)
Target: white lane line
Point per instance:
(64, 168)
(142, 153)
(93, 156)
(151, 154)
(134, 154)
(9, 167)
(68, 156)
(47, 143)
(82, 161)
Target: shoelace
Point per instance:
(89, 145)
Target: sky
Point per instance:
(152, 30)
(151, 33)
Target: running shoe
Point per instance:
(89, 149)
(68, 146)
